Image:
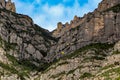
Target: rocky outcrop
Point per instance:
(35, 43)
(62, 28)
(105, 4)
(2, 3)
(7, 5)
(102, 26)
(82, 49)
(28, 40)
(58, 30)
(90, 63)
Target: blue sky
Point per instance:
(47, 13)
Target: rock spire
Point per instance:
(9, 5)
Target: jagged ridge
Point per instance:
(102, 26)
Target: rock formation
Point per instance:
(90, 63)
(7, 5)
(102, 25)
(105, 4)
(2, 3)
(65, 27)
(28, 41)
(86, 48)
(59, 29)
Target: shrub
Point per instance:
(98, 46)
(63, 63)
(9, 68)
(57, 75)
(116, 63)
(98, 57)
(86, 75)
(71, 71)
(6, 45)
(116, 52)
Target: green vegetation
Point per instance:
(60, 78)
(98, 46)
(48, 67)
(11, 69)
(24, 65)
(108, 66)
(116, 63)
(27, 65)
(86, 75)
(71, 71)
(107, 74)
(57, 75)
(98, 57)
(116, 52)
(9, 46)
(95, 57)
(110, 70)
(6, 45)
(115, 9)
(118, 78)
(24, 70)
(63, 63)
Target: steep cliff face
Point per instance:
(105, 4)
(85, 49)
(30, 42)
(23, 45)
(102, 25)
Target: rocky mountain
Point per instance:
(86, 49)
(25, 40)
(102, 26)
(99, 61)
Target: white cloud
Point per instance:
(48, 16)
(55, 11)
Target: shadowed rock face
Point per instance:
(7, 5)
